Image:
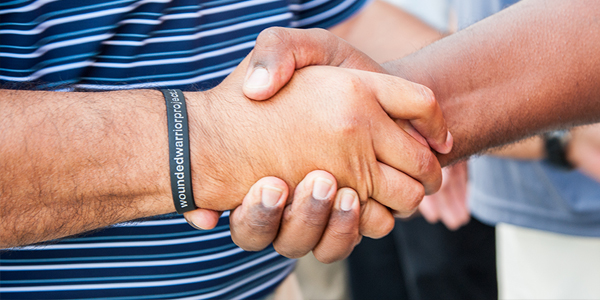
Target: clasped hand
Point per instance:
(349, 124)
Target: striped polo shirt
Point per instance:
(125, 44)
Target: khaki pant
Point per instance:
(313, 280)
(534, 264)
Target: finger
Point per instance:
(449, 212)
(342, 231)
(457, 184)
(429, 209)
(202, 219)
(592, 165)
(397, 149)
(397, 191)
(304, 221)
(406, 126)
(460, 207)
(403, 99)
(255, 223)
(280, 51)
(376, 221)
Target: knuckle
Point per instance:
(323, 35)
(248, 245)
(320, 31)
(377, 227)
(354, 83)
(342, 226)
(414, 198)
(263, 227)
(347, 127)
(427, 98)
(329, 257)
(261, 222)
(256, 232)
(426, 162)
(384, 228)
(311, 217)
(310, 221)
(289, 251)
(272, 37)
(342, 236)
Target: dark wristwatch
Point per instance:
(555, 144)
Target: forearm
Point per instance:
(73, 162)
(532, 67)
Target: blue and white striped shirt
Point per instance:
(124, 44)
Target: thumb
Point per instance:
(202, 219)
(280, 51)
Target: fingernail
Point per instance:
(259, 78)
(270, 195)
(192, 223)
(322, 188)
(347, 201)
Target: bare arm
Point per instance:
(532, 67)
(384, 32)
(72, 162)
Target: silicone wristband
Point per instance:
(179, 151)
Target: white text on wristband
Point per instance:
(179, 151)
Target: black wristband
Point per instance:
(179, 151)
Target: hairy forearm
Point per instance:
(530, 68)
(73, 162)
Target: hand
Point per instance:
(348, 134)
(449, 204)
(376, 221)
(281, 51)
(324, 225)
(584, 150)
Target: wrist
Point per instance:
(210, 137)
(200, 129)
(556, 144)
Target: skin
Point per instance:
(513, 75)
(234, 143)
(500, 78)
(581, 151)
(383, 32)
(448, 205)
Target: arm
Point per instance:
(527, 69)
(582, 150)
(384, 32)
(530, 68)
(79, 161)
(73, 162)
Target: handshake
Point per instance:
(355, 145)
